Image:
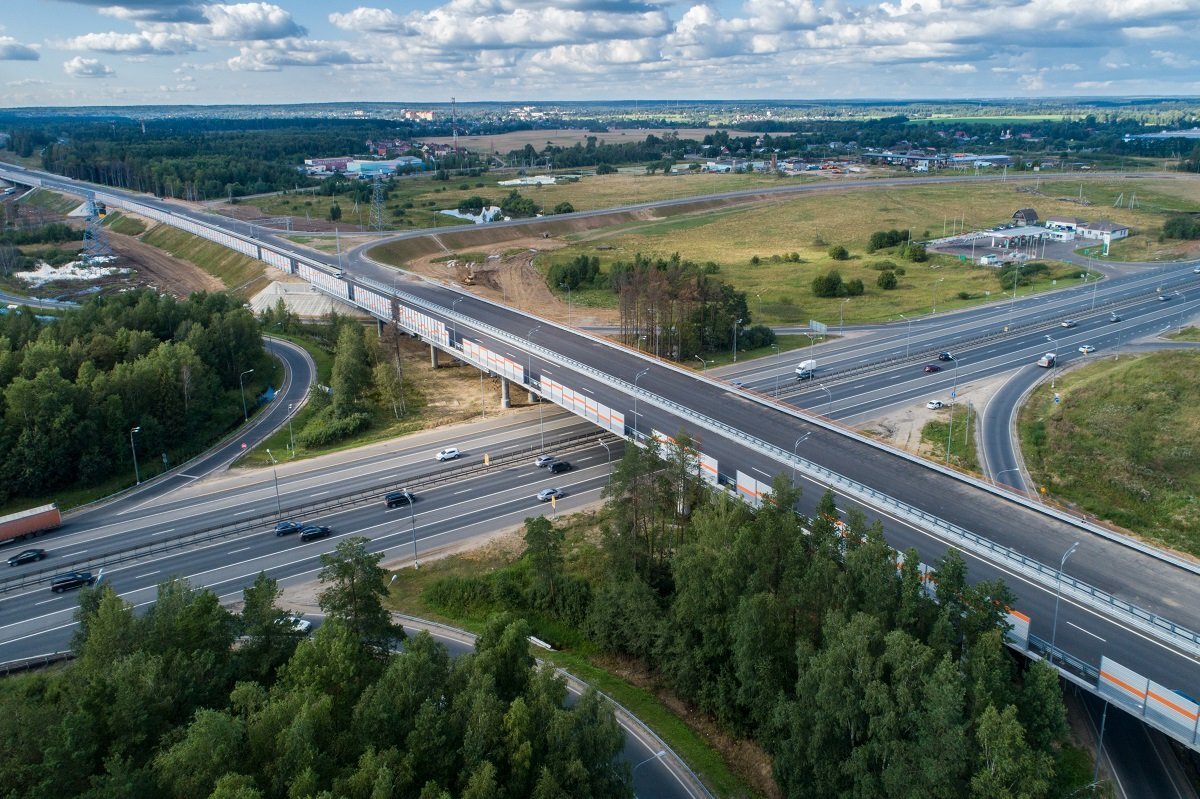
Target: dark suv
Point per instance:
(313, 532)
(64, 582)
(395, 499)
(559, 467)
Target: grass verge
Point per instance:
(955, 430)
(51, 201)
(125, 224)
(1120, 443)
(240, 273)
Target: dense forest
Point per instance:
(858, 677)
(188, 701)
(73, 387)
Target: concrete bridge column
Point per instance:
(379, 326)
(533, 397)
(433, 356)
(505, 397)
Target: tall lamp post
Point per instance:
(953, 397)
(907, 334)
(795, 447)
(1058, 595)
(1012, 304)
(242, 387)
(635, 399)
(703, 363)
(1054, 367)
(567, 286)
(136, 476)
(735, 329)
(541, 428)
(828, 400)
(607, 450)
(278, 506)
(453, 322)
(412, 520)
(841, 317)
(291, 435)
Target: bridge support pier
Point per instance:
(379, 326)
(533, 397)
(505, 393)
(433, 356)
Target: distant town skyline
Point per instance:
(95, 52)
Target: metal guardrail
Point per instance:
(37, 662)
(223, 531)
(1160, 627)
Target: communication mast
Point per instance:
(377, 204)
(95, 237)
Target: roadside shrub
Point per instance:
(579, 271)
(756, 336)
(839, 253)
(605, 169)
(755, 260)
(457, 595)
(564, 208)
(886, 280)
(828, 285)
(886, 238)
(884, 266)
(324, 430)
(1181, 226)
(964, 295)
(855, 288)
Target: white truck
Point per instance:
(806, 369)
(1047, 360)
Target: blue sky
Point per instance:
(95, 52)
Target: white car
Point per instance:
(448, 454)
(300, 625)
(1087, 348)
(934, 405)
(1068, 323)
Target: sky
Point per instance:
(91, 52)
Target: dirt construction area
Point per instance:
(159, 270)
(507, 275)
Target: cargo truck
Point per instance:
(26, 523)
(806, 369)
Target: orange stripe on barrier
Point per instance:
(1019, 615)
(1104, 675)
(1163, 700)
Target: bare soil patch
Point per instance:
(161, 271)
(507, 275)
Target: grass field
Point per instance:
(420, 200)
(1122, 444)
(808, 225)
(935, 435)
(125, 224)
(581, 555)
(1188, 333)
(505, 143)
(239, 273)
(997, 120)
(51, 201)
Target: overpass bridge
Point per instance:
(1129, 614)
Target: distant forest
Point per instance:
(205, 158)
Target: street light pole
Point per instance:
(453, 322)
(703, 363)
(242, 387)
(1058, 595)
(567, 286)
(136, 476)
(953, 397)
(1054, 366)
(828, 400)
(412, 520)
(635, 400)
(841, 317)
(291, 435)
(795, 447)
(607, 450)
(529, 375)
(735, 329)
(908, 333)
(278, 506)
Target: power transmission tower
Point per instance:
(377, 204)
(95, 237)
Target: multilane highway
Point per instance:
(757, 433)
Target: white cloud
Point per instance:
(293, 53)
(80, 67)
(12, 50)
(369, 20)
(141, 43)
(244, 22)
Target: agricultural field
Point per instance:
(504, 143)
(808, 226)
(1117, 446)
(414, 203)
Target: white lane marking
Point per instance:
(464, 491)
(235, 551)
(73, 554)
(160, 532)
(147, 574)
(248, 510)
(760, 471)
(318, 493)
(1089, 632)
